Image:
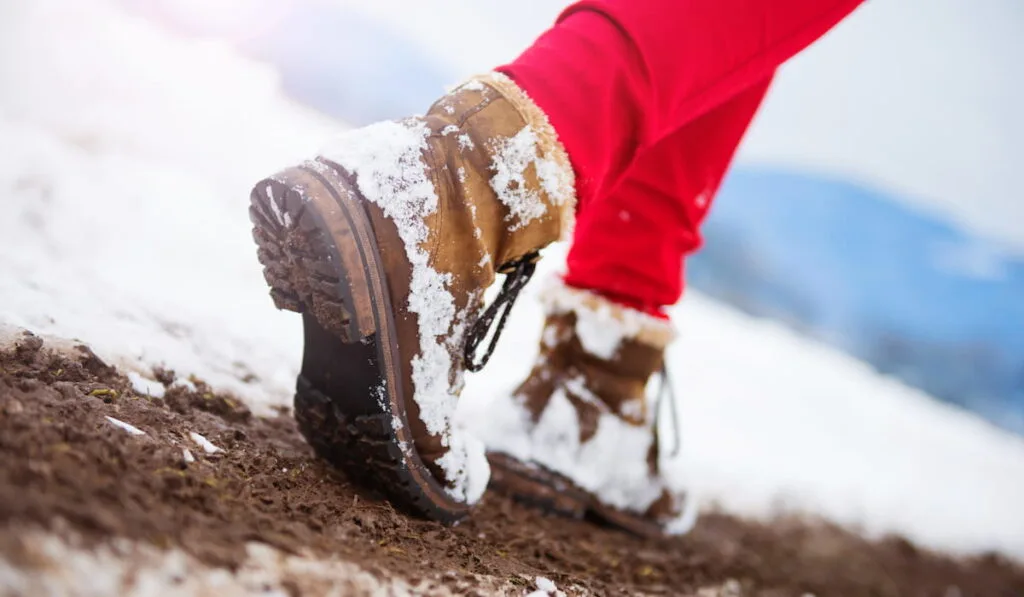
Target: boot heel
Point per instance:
(296, 253)
(320, 258)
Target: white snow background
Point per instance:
(126, 156)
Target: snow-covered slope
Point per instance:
(124, 178)
(126, 157)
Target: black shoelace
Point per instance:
(517, 274)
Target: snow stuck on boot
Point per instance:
(511, 159)
(535, 145)
(602, 325)
(387, 160)
(612, 463)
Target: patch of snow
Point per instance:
(137, 569)
(145, 386)
(601, 326)
(598, 335)
(387, 160)
(551, 336)
(578, 388)
(512, 157)
(131, 429)
(125, 178)
(545, 585)
(465, 142)
(466, 459)
(612, 463)
(381, 394)
(203, 443)
(558, 182)
(545, 588)
(187, 456)
(689, 512)
(633, 409)
(476, 228)
(472, 85)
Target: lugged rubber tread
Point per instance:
(302, 269)
(363, 447)
(292, 252)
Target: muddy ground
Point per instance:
(63, 465)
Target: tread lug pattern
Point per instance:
(364, 448)
(296, 256)
(293, 251)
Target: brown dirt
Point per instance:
(61, 459)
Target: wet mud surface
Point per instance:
(62, 460)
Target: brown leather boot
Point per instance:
(385, 244)
(577, 436)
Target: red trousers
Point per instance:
(651, 99)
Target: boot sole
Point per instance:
(320, 258)
(553, 492)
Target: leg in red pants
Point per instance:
(617, 76)
(651, 100)
(629, 245)
(601, 344)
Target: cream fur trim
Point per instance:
(564, 196)
(608, 322)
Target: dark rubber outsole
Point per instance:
(320, 258)
(541, 488)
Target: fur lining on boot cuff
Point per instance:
(561, 185)
(601, 324)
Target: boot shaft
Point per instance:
(587, 424)
(476, 186)
(602, 353)
(505, 183)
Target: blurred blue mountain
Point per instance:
(912, 295)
